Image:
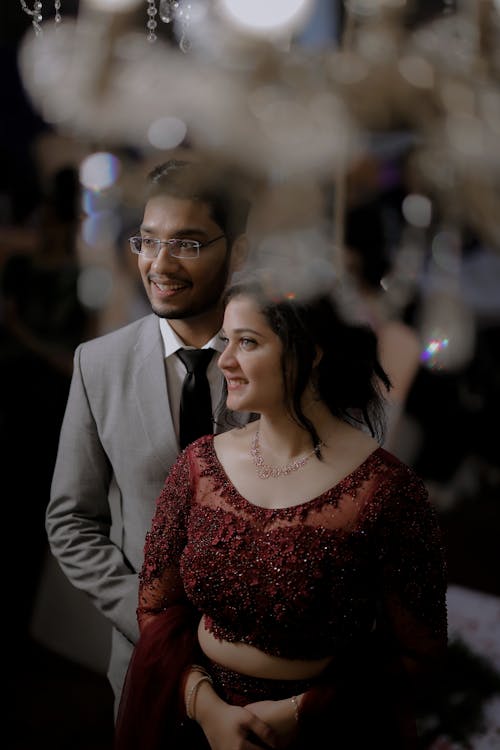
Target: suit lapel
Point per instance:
(153, 399)
(152, 395)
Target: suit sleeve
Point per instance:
(78, 518)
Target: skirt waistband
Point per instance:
(232, 684)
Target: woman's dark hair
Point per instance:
(195, 181)
(348, 377)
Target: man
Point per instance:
(120, 434)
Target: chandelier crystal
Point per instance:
(168, 11)
(36, 13)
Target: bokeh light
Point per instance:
(99, 171)
(445, 250)
(93, 202)
(432, 354)
(263, 16)
(94, 287)
(114, 5)
(466, 134)
(167, 132)
(416, 71)
(417, 210)
(101, 229)
(447, 329)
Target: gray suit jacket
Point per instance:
(116, 448)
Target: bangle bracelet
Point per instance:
(192, 694)
(295, 706)
(197, 668)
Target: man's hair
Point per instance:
(196, 181)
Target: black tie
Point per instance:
(196, 403)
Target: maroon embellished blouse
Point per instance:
(301, 582)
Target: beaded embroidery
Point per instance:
(305, 581)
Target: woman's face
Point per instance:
(251, 361)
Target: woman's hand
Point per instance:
(280, 715)
(229, 727)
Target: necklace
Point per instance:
(265, 471)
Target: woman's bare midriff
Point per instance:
(240, 657)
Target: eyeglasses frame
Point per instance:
(169, 244)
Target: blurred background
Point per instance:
(367, 135)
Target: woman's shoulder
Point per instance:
(347, 442)
(399, 480)
(391, 461)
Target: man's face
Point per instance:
(180, 288)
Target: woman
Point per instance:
(293, 590)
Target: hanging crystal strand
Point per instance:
(168, 10)
(36, 14)
(175, 10)
(185, 17)
(57, 14)
(151, 23)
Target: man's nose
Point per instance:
(164, 260)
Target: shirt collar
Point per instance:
(172, 342)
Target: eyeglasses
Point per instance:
(149, 247)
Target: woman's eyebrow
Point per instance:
(246, 330)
